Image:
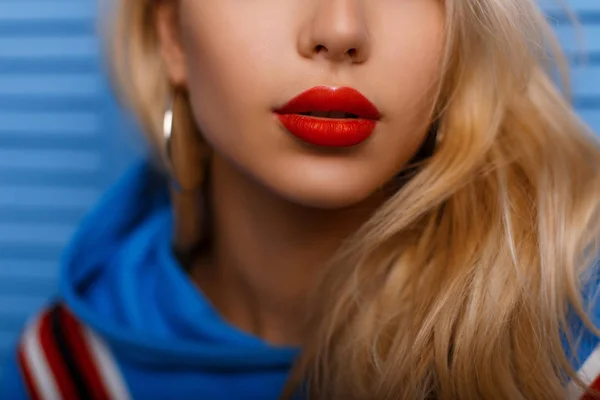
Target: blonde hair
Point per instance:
(460, 286)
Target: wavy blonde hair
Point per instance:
(462, 284)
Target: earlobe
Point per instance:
(168, 35)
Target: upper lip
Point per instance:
(331, 99)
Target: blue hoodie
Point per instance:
(166, 341)
(129, 307)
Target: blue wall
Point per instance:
(61, 143)
(62, 140)
(585, 70)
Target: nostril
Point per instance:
(352, 53)
(319, 48)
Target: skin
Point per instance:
(281, 208)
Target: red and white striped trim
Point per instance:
(37, 373)
(43, 368)
(107, 367)
(589, 373)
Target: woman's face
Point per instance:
(242, 61)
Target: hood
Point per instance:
(120, 278)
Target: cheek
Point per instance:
(223, 62)
(406, 67)
(214, 70)
(409, 57)
(231, 52)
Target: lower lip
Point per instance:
(328, 132)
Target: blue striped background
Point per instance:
(62, 140)
(61, 144)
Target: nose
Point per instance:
(337, 31)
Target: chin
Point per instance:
(326, 201)
(316, 180)
(323, 193)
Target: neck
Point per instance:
(268, 253)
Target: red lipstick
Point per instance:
(330, 117)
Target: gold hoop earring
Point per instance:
(191, 208)
(167, 140)
(168, 126)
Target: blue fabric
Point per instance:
(11, 384)
(583, 342)
(120, 278)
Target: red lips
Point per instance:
(330, 117)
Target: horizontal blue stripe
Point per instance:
(32, 233)
(583, 59)
(45, 10)
(50, 123)
(55, 142)
(23, 102)
(26, 197)
(587, 5)
(42, 47)
(32, 159)
(70, 177)
(587, 103)
(28, 269)
(54, 85)
(35, 288)
(49, 252)
(45, 215)
(582, 17)
(56, 65)
(50, 28)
